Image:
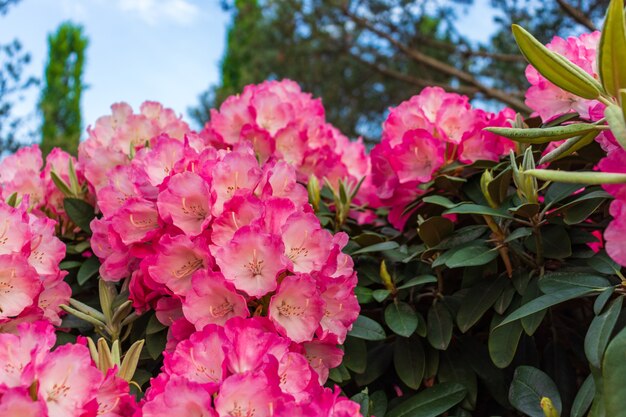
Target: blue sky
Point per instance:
(164, 50)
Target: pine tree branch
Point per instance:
(445, 68)
(577, 14)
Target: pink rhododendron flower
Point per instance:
(185, 203)
(549, 100)
(423, 134)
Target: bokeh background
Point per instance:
(64, 62)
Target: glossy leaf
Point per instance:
(503, 341)
(600, 331)
(471, 256)
(612, 49)
(477, 301)
(88, 269)
(367, 329)
(584, 398)
(409, 361)
(529, 386)
(431, 402)
(614, 375)
(401, 318)
(439, 326)
(80, 212)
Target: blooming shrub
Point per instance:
(426, 133)
(201, 277)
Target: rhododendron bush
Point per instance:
(470, 263)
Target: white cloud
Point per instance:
(156, 11)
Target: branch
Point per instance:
(445, 68)
(576, 14)
(469, 91)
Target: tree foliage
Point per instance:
(362, 56)
(60, 99)
(13, 83)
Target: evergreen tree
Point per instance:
(61, 95)
(363, 56)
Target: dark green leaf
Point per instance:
(154, 325)
(363, 294)
(367, 329)
(453, 368)
(363, 399)
(380, 295)
(471, 256)
(401, 318)
(434, 230)
(560, 191)
(603, 264)
(439, 326)
(600, 331)
(420, 280)
(439, 200)
(470, 208)
(559, 281)
(583, 399)
(477, 301)
(545, 301)
(410, 361)
(503, 342)
(531, 323)
(602, 299)
(379, 247)
(88, 269)
(378, 403)
(431, 402)
(555, 241)
(80, 212)
(355, 357)
(155, 344)
(614, 375)
(529, 386)
(519, 233)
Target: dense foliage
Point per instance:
(470, 264)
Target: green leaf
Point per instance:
(431, 402)
(420, 280)
(87, 270)
(409, 361)
(560, 191)
(600, 331)
(439, 326)
(60, 184)
(569, 147)
(541, 135)
(401, 318)
(379, 247)
(367, 329)
(155, 344)
(434, 229)
(477, 301)
(545, 301)
(612, 49)
(555, 241)
(519, 233)
(602, 299)
(363, 294)
(529, 386)
(603, 264)
(531, 323)
(440, 201)
(557, 69)
(378, 362)
(614, 375)
(503, 341)
(471, 208)
(154, 325)
(583, 399)
(559, 281)
(80, 212)
(471, 256)
(578, 177)
(581, 212)
(453, 368)
(378, 403)
(615, 118)
(355, 357)
(380, 295)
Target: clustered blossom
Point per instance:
(283, 123)
(208, 235)
(548, 100)
(246, 369)
(38, 382)
(31, 283)
(24, 174)
(425, 133)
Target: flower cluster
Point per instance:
(242, 369)
(31, 283)
(283, 123)
(548, 100)
(208, 235)
(425, 133)
(38, 382)
(24, 174)
(114, 139)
